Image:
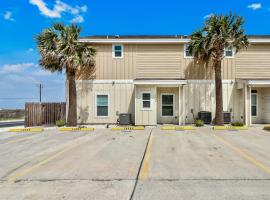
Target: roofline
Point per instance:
(157, 39)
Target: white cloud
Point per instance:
(77, 19)
(60, 8)
(15, 68)
(21, 79)
(30, 50)
(8, 16)
(255, 6)
(208, 16)
(41, 73)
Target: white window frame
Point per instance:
(233, 53)
(166, 116)
(254, 94)
(122, 51)
(185, 55)
(101, 93)
(146, 92)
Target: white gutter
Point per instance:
(160, 40)
(135, 41)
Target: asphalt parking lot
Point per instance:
(149, 164)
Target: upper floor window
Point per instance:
(187, 54)
(228, 53)
(118, 50)
(146, 101)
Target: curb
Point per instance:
(178, 128)
(127, 128)
(230, 128)
(75, 129)
(26, 130)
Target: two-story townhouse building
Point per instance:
(157, 81)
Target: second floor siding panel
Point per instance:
(159, 61)
(254, 63)
(168, 61)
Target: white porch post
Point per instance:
(247, 99)
(181, 105)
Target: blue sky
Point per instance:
(21, 20)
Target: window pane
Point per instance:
(146, 104)
(102, 100)
(167, 99)
(229, 53)
(146, 96)
(117, 54)
(188, 54)
(253, 110)
(118, 48)
(253, 100)
(102, 111)
(167, 110)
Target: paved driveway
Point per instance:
(149, 164)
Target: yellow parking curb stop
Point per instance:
(26, 130)
(178, 128)
(231, 128)
(118, 128)
(76, 129)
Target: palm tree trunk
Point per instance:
(72, 98)
(219, 118)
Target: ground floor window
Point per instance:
(146, 100)
(254, 103)
(167, 105)
(102, 105)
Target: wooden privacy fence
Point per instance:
(38, 114)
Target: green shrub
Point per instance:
(237, 123)
(267, 128)
(199, 122)
(60, 123)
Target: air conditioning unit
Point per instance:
(227, 117)
(124, 118)
(205, 116)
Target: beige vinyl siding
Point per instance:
(151, 61)
(158, 61)
(200, 96)
(145, 117)
(121, 100)
(107, 67)
(254, 63)
(196, 71)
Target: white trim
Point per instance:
(258, 82)
(165, 116)
(185, 56)
(102, 93)
(113, 51)
(107, 81)
(136, 41)
(160, 40)
(146, 92)
(226, 81)
(160, 82)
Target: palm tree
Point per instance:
(208, 44)
(60, 51)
